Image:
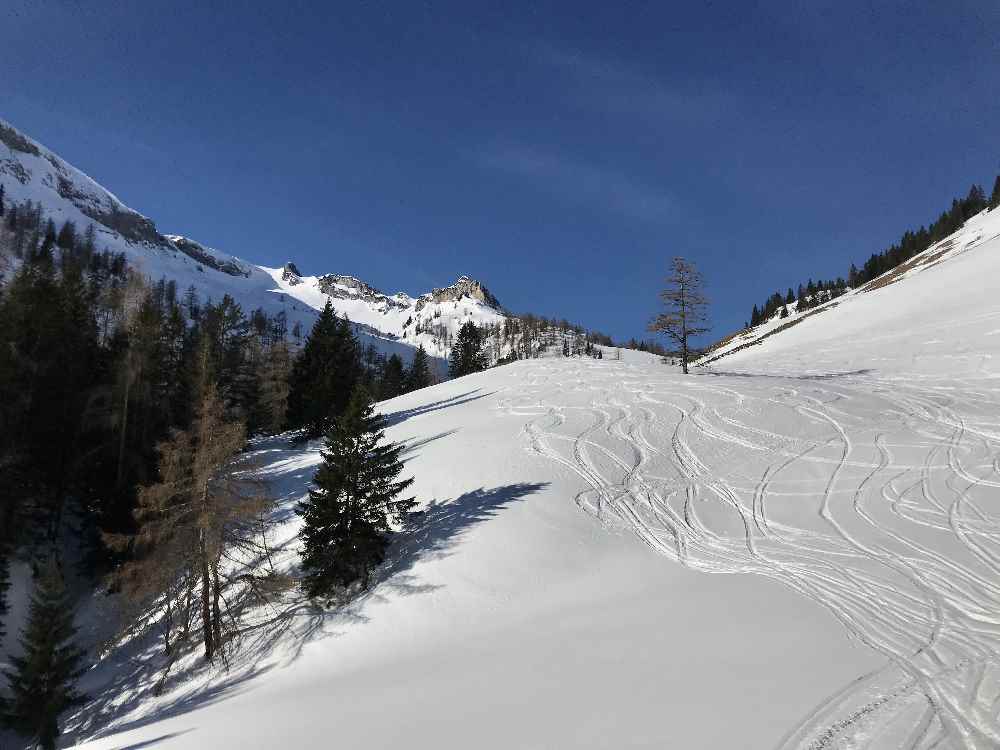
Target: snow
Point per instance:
(945, 294)
(508, 617)
(397, 316)
(796, 546)
(936, 318)
(27, 176)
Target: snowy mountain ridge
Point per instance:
(802, 537)
(392, 324)
(977, 231)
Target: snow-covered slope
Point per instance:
(562, 587)
(930, 304)
(508, 616)
(394, 324)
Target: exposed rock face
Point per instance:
(291, 274)
(16, 142)
(464, 287)
(97, 205)
(14, 168)
(349, 287)
(199, 253)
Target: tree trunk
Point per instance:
(216, 610)
(186, 629)
(206, 602)
(124, 430)
(168, 623)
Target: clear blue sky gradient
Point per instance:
(562, 153)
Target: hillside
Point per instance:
(800, 537)
(395, 323)
(561, 587)
(938, 292)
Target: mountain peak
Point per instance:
(291, 274)
(466, 286)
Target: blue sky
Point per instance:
(562, 153)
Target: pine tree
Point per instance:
(42, 679)
(995, 196)
(419, 374)
(67, 236)
(393, 378)
(467, 353)
(2, 209)
(324, 375)
(347, 517)
(4, 586)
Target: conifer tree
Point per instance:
(467, 353)
(324, 375)
(995, 196)
(419, 374)
(4, 586)
(42, 680)
(393, 378)
(357, 496)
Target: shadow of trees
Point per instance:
(402, 415)
(277, 636)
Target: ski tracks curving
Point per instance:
(877, 500)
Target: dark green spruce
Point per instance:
(393, 378)
(4, 586)
(324, 374)
(467, 353)
(348, 516)
(419, 374)
(42, 680)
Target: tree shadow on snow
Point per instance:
(412, 446)
(276, 637)
(778, 376)
(432, 533)
(154, 741)
(463, 398)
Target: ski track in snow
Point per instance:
(875, 499)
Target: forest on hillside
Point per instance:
(912, 242)
(127, 408)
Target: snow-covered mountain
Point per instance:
(395, 323)
(854, 319)
(796, 546)
(432, 319)
(801, 538)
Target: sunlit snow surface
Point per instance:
(558, 592)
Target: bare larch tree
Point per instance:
(686, 314)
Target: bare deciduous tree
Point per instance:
(685, 315)
(200, 551)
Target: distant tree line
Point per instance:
(910, 244)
